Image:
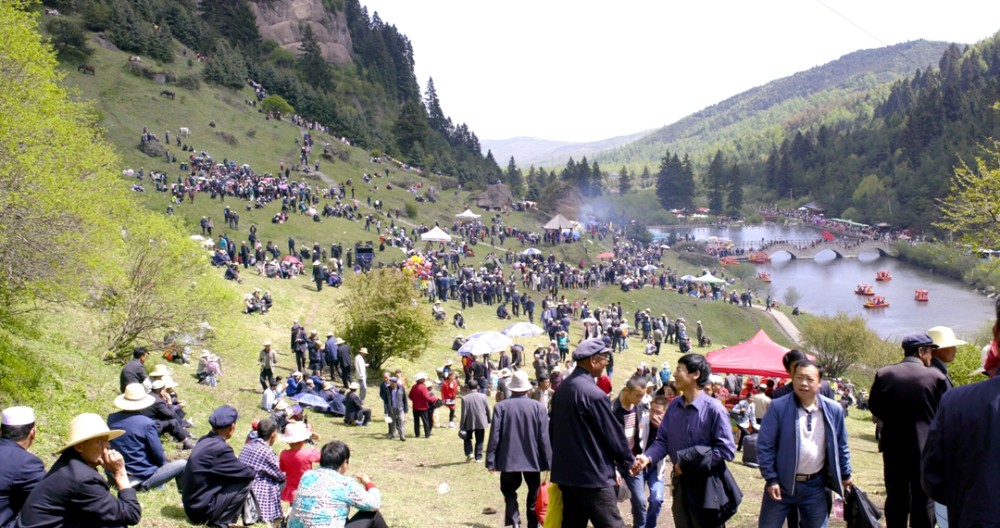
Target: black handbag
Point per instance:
(859, 511)
(463, 434)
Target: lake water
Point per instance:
(826, 286)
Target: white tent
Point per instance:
(436, 235)
(708, 278)
(467, 215)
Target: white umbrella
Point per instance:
(481, 343)
(522, 329)
(649, 267)
(531, 251)
(436, 235)
(589, 320)
(687, 278)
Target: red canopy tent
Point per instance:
(757, 357)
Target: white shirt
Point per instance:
(812, 440)
(359, 367)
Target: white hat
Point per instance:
(296, 432)
(134, 398)
(944, 337)
(267, 343)
(159, 370)
(88, 426)
(419, 376)
(505, 373)
(354, 385)
(340, 341)
(519, 382)
(19, 415)
(363, 351)
(165, 381)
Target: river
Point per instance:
(826, 286)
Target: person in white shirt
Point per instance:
(360, 370)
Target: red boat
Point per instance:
(877, 302)
(921, 296)
(864, 289)
(883, 276)
(760, 258)
(764, 276)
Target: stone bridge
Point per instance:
(842, 248)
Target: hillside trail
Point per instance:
(783, 322)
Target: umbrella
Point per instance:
(589, 320)
(311, 400)
(522, 329)
(606, 255)
(481, 343)
(532, 251)
(197, 237)
(649, 267)
(292, 259)
(687, 278)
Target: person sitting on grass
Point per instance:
(355, 412)
(326, 495)
(297, 459)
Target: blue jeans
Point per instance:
(170, 470)
(809, 497)
(637, 487)
(655, 484)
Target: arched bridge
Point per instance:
(843, 248)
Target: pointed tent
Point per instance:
(467, 215)
(760, 356)
(436, 235)
(558, 222)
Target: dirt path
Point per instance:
(786, 324)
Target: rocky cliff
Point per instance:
(280, 20)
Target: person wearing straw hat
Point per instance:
(21, 470)
(947, 347)
(355, 412)
(140, 446)
(361, 371)
(73, 493)
(268, 359)
(216, 483)
(398, 406)
(297, 459)
(422, 403)
(163, 414)
(134, 371)
(519, 448)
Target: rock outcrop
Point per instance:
(280, 20)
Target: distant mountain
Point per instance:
(546, 153)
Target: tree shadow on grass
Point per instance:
(173, 512)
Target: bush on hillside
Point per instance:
(68, 39)
(382, 316)
(842, 341)
(226, 68)
(189, 81)
(410, 209)
(276, 103)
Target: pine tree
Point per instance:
(715, 180)
(514, 178)
(624, 181)
(670, 182)
(311, 63)
(411, 128)
(594, 185)
(734, 205)
(646, 176)
(435, 116)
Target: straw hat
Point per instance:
(519, 382)
(165, 381)
(88, 426)
(159, 370)
(296, 432)
(504, 373)
(134, 398)
(944, 337)
(419, 376)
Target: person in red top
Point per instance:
(295, 460)
(449, 391)
(422, 403)
(604, 382)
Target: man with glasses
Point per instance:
(905, 397)
(587, 443)
(802, 449)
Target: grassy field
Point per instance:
(63, 347)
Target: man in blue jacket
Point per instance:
(21, 470)
(215, 482)
(802, 451)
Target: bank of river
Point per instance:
(826, 285)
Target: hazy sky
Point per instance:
(584, 70)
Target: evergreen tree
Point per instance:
(624, 181)
(646, 177)
(734, 205)
(312, 66)
(493, 172)
(675, 182)
(715, 180)
(411, 128)
(226, 67)
(595, 181)
(513, 178)
(236, 21)
(435, 116)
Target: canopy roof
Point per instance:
(708, 278)
(760, 356)
(467, 215)
(558, 222)
(436, 235)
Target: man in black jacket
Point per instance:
(21, 470)
(134, 371)
(216, 483)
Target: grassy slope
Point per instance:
(73, 379)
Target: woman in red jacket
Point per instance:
(449, 392)
(422, 403)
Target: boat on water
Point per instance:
(864, 289)
(877, 301)
(764, 276)
(921, 296)
(760, 258)
(883, 276)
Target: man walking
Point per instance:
(802, 448)
(693, 420)
(361, 371)
(398, 407)
(587, 443)
(474, 418)
(268, 360)
(519, 448)
(905, 397)
(344, 355)
(634, 419)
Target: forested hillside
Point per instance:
(374, 100)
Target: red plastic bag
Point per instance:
(542, 503)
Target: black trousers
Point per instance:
(599, 506)
(225, 508)
(478, 434)
(363, 519)
(904, 497)
(422, 417)
(300, 361)
(509, 484)
(266, 377)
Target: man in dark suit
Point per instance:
(473, 420)
(905, 397)
(519, 447)
(134, 371)
(345, 357)
(21, 470)
(216, 483)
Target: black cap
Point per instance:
(223, 417)
(590, 347)
(913, 341)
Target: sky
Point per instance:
(581, 70)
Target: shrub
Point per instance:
(276, 103)
(411, 209)
(190, 82)
(842, 341)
